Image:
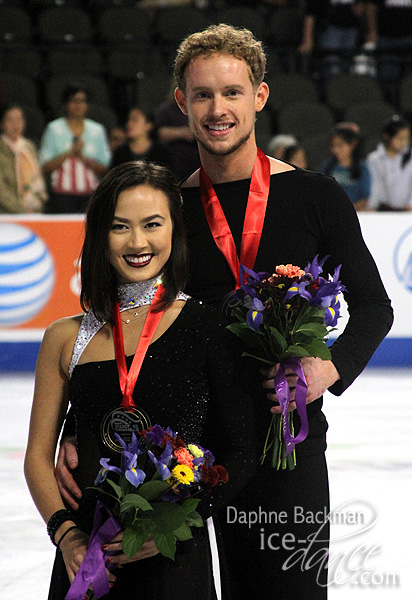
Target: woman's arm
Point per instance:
(56, 162)
(49, 407)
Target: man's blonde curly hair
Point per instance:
(223, 39)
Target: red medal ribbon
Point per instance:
(254, 216)
(128, 380)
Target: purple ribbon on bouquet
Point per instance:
(93, 568)
(283, 395)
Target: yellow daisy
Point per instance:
(183, 474)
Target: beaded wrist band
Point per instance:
(57, 518)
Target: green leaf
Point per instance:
(318, 349)
(183, 533)
(264, 360)
(194, 520)
(166, 516)
(314, 329)
(190, 504)
(294, 350)
(116, 487)
(153, 490)
(278, 338)
(166, 544)
(237, 328)
(133, 540)
(136, 501)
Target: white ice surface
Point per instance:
(370, 469)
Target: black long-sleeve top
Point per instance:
(307, 214)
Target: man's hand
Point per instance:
(67, 461)
(319, 374)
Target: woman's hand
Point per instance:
(118, 560)
(74, 547)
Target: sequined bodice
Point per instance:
(189, 381)
(131, 295)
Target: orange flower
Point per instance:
(184, 457)
(289, 271)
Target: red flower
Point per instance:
(212, 476)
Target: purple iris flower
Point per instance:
(315, 268)
(101, 476)
(332, 313)
(254, 280)
(325, 294)
(133, 475)
(155, 435)
(133, 447)
(254, 316)
(162, 463)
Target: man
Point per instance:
(220, 73)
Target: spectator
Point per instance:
(117, 137)
(346, 164)
(22, 188)
(278, 144)
(335, 25)
(74, 151)
(173, 130)
(391, 168)
(296, 155)
(140, 144)
(390, 30)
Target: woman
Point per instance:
(140, 145)
(296, 155)
(346, 165)
(74, 151)
(22, 188)
(391, 168)
(188, 381)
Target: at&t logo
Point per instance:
(26, 274)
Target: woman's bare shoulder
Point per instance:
(63, 330)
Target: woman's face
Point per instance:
(137, 125)
(13, 123)
(77, 105)
(299, 159)
(340, 149)
(140, 238)
(400, 141)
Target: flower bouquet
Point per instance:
(282, 318)
(153, 494)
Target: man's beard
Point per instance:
(214, 150)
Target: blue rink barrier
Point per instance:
(21, 356)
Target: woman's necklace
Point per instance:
(127, 321)
(136, 295)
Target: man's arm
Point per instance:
(67, 462)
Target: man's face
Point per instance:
(220, 102)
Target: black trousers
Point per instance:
(283, 554)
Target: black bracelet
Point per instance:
(64, 535)
(57, 518)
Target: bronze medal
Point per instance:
(124, 423)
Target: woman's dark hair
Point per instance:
(5, 108)
(290, 151)
(350, 133)
(392, 127)
(98, 278)
(73, 89)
